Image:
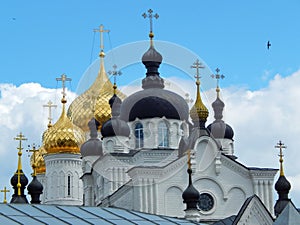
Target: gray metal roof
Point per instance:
(81, 215)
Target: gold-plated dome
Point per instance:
(94, 101)
(63, 136)
(199, 110)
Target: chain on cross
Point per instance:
(50, 105)
(197, 65)
(101, 31)
(281, 146)
(33, 150)
(63, 80)
(150, 16)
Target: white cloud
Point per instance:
(259, 118)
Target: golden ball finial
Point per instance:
(102, 54)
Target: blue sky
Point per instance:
(40, 40)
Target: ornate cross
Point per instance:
(217, 76)
(49, 106)
(281, 146)
(20, 137)
(63, 80)
(150, 16)
(5, 191)
(197, 65)
(101, 31)
(115, 73)
(33, 150)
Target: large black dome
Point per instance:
(154, 102)
(219, 129)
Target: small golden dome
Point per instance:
(39, 160)
(63, 136)
(93, 102)
(199, 110)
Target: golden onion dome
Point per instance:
(39, 160)
(94, 101)
(63, 136)
(199, 112)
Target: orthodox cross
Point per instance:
(115, 73)
(5, 191)
(281, 146)
(101, 31)
(33, 150)
(63, 80)
(20, 137)
(150, 16)
(197, 65)
(49, 106)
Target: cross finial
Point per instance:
(218, 76)
(281, 146)
(5, 191)
(33, 150)
(20, 137)
(150, 16)
(197, 65)
(63, 80)
(50, 105)
(101, 31)
(115, 73)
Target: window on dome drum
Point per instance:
(139, 135)
(69, 185)
(163, 135)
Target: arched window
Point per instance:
(69, 185)
(139, 135)
(163, 135)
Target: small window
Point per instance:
(163, 135)
(139, 135)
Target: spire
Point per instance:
(152, 59)
(20, 183)
(282, 185)
(115, 73)
(35, 188)
(191, 195)
(5, 191)
(50, 105)
(199, 112)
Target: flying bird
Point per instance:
(268, 45)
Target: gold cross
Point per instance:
(63, 79)
(150, 16)
(101, 31)
(280, 145)
(33, 150)
(49, 106)
(5, 191)
(197, 65)
(20, 137)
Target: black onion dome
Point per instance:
(219, 129)
(282, 186)
(23, 179)
(115, 126)
(93, 146)
(154, 102)
(191, 195)
(151, 56)
(35, 189)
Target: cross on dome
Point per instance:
(281, 146)
(101, 31)
(33, 150)
(50, 105)
(197, 65)
(150, 16)
(63, 80)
